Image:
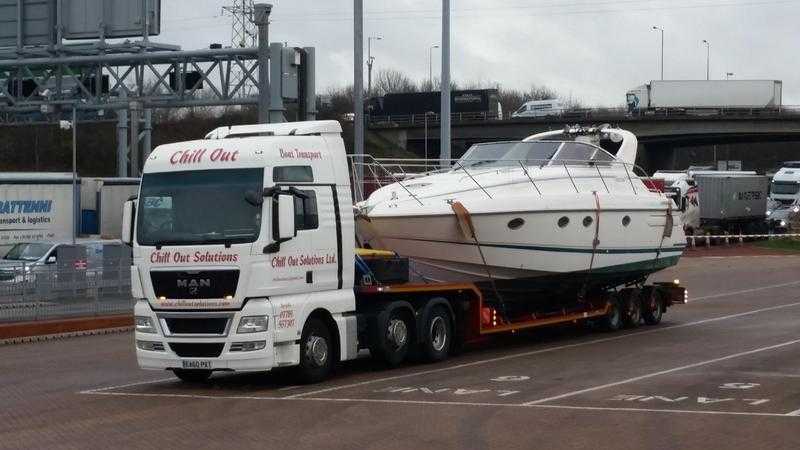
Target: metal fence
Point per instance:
(29, 293)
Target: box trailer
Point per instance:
(36, 207)
(733, 204)
(706, 94)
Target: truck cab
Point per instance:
(242, 251)
(784, 197)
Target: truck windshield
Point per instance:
(199, 207)
(785, 187)
(27, 252)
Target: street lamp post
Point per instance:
(67, 125)
(708, 59)
(662, 50)
(430, 64)
(370, 60)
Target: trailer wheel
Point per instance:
(613, 320)
(394, 335)
(316, 361)
(438, 335)
(632, 313)
(192, 376)
(654, 308)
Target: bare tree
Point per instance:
(390, 81)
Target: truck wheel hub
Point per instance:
(438, 334)
(397, 333)
(317, 350)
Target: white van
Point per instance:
(539, 108)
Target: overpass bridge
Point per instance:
(665, 140)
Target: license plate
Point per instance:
(196, 364)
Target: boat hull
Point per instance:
(539, 255)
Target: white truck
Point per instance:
(244, 260)
(784, 197)
(705, 95)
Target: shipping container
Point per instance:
(732, 199)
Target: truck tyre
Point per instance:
(192, 376)
(316, 352)
(613, 320)
(653, 309)
(438, 334)
(393, 337)
(632, 310)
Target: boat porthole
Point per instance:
(626, 221)
(587, 221)
(563, 222)
(516, 224)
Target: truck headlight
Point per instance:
(796, 209)
(252, 324)
(769, 213)
(783, 223)
(145, 324)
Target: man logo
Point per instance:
(194, 285)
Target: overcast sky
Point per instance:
(593, 50)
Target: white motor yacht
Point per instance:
(556, 212)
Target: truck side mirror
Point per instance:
(128, 220)
(286, 227)
(283, 225)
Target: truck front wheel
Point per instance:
(192, 376)
(316, 359)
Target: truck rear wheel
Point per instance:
(192, 376)
(632, 312)
(394, 335)
(653, 309)
(316, 347)
(613, 320)
(438, 334)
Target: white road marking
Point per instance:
(120, 386)
(289, 388)
(794, 413)
(541, 351)
(443, 403)
(661, 372)
(744, 291)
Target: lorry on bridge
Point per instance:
(704, 96)
(244, 259)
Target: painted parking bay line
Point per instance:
(543, 351)
(438, 403)
(662, 372)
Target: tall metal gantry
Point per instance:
(42, 84)
(244, 34)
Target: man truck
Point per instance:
(244, 259)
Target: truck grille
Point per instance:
(204, 325)
(204, 284)
(185, 350)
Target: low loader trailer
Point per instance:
(245, 261)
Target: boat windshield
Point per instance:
(504, 154)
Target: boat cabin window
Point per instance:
(504, 154)
(580, 153)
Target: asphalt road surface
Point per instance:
(722, 372)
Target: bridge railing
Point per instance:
(585, 114)
(369, 173)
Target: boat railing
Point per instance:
(375, 173)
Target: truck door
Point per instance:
(311, 260)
